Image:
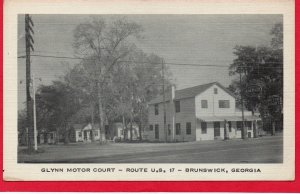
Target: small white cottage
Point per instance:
(86, 133)
(122, 133)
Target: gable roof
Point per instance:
(225, 89)
(189, 92)
(78, 126)
(82, 126)
(192, 92)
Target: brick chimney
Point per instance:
(173, 88)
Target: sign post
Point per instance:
(254, 90)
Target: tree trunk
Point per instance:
(131, 129)
(273, 128)
(124, 127)
(66, 133)
(66, 137)
(101, 115)
(140, 130)
(111, 130)
(254, 124)
(92, 122)
(255, 128)
(57, 136)
(140, 125)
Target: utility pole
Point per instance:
(244, 131)
(164, 99)
(29, 46)
(34, 112)
(258, 61)
(34, 115)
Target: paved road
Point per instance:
(261, 150)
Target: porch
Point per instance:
(226, 127)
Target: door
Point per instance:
(217, 132)
(156, 132)
(249, 134)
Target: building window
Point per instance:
(79, 134)
(216, 90)
(177, 106)
(178, 130)
(188, 128)
(229, 126)
(204, 104)
(156, 109)
(151, 127)
(96, 133)
(203, 128)
(169, 129)
(224, 104)
(239, 125)
(156, 131)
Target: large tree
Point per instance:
(147, 84)
(56, 106)
(133, 85)
(104, 46)
(261, 66)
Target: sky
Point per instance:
(185, 39)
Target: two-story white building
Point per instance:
(204, 112)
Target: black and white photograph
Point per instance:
(150, 88)
(146, 90)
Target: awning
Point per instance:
(227, 118)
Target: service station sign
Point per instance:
(253, 90)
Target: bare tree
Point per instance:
(103, 46)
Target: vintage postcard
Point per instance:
(149, 90)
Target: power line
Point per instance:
(227, 23)
(61, 52)
(52, 56)
(153, 63)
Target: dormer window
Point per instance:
(215, 90)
